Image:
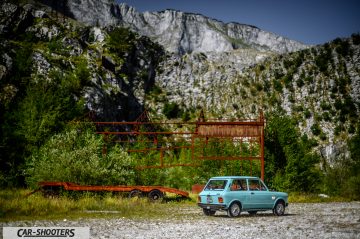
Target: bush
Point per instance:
(356, 38)
(300, 82)
(76, 156)
(289, 161)
(172, 110)
(343, 48)
(121, 40)
(315, 129)
(307, 113)
(277, 86)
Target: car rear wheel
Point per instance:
(279, 208)
(234, 210)
(209, 212)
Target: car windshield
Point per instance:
(216, 185)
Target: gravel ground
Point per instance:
(313, 220)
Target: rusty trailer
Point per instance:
(154, 193)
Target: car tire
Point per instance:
(252, 212)
(279, 208)
(234, 210)
(209, 212)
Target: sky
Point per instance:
(308, 21)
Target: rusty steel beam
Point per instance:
(167, 166)
(250, 123)
(249, 158)
(141, 133)
(158, 149)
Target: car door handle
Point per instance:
(252, 193)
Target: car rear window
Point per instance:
(216, 185)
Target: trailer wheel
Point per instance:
(135, 193)
(51, 191)
(156, 195)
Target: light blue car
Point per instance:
(235, 194)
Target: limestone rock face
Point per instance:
(177, 31)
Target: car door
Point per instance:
(260, 197)
(238, 191)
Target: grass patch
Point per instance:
(16, 205)
(314, 198)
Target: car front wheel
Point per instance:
(234, 210)
(279, 208)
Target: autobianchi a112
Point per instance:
(235, 194)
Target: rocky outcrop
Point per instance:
(319, 87)
(114, 82)
(177, 31)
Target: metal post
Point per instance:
(262, 146)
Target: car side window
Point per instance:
(254, 185)
(238, 185)
(262, 186)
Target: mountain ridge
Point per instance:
(177, 31)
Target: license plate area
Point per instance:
(209, 199)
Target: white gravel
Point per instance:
(313, 220)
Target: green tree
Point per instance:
(290, 165)
(75, 155)
(343, 178)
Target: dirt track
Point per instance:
(325, 220)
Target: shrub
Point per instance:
(315, 129)
(307, 113)
(356, 38)
(277, 86)
(326, 116)
(172, 110)
(76, 156)
(324, 105)
(343, 48)
(288, 80)
(300, 82)
(121, 40)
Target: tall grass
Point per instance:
(295, 197)
(16, 205)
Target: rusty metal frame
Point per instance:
(195, 136)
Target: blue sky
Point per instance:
(307, 21)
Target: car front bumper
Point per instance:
(212, 206)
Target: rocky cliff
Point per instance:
(110, 69)
(177, 31)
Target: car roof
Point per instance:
(235, 177)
